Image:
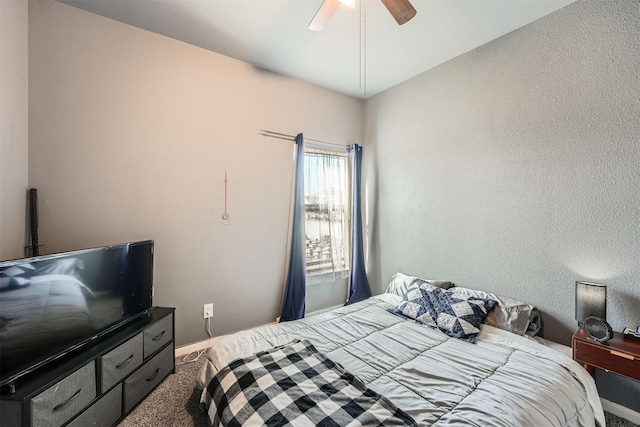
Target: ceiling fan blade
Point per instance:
(401, 10)
(323, 15)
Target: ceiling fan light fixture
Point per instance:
(324, 14)
(401, 10)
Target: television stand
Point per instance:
(99, 384)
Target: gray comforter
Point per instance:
(502, 380)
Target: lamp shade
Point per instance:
(591, 300)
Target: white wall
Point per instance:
(130, 136)
(515, 168)
(14, 127)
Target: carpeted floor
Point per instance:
(175, 403)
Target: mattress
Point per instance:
(503, 379)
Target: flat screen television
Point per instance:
(55, 304)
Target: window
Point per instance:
(327, 191)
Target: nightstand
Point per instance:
(618, 355)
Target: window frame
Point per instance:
(334, 274)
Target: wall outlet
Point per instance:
(208, 311)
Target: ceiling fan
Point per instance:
(401, 10)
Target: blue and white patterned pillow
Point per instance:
(458, 317)
(413, 304)
(17, 276)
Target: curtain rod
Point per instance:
(279, 135)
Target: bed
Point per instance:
(500, 377)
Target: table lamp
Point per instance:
(591, 310)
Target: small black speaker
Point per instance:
(598, 329)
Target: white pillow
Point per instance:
(401, 282)
(510, 314)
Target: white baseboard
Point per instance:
(621, 411)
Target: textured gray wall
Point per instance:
(515, 168)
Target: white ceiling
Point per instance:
(361, 53)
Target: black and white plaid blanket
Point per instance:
(296, 385)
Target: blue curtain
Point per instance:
(359, 285)
(293, 302)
